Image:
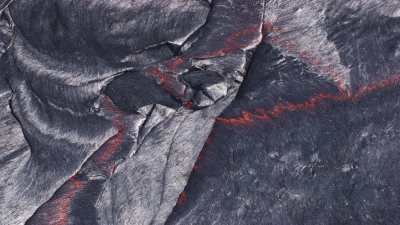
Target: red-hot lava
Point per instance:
(167, 72)
(56, 211)
(209, 141)
(248, 118)
(103, 158)
(59, 206)
(63, 203)
(306, 56)
(174, 63)
(183, 197)
(168, 81)
(236, 41)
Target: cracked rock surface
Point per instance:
(225, 112)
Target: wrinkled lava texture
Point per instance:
(199, 112)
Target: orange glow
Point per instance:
(60, 207)
(174, 63)
(235, 41)
(306, 56)
(111, 147)
(248, 118)
(167, 81)
(183, 197)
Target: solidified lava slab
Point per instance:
(319, 157)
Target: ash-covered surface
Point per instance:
(261, 112)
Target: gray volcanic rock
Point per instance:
(293, 148)
(200, 112)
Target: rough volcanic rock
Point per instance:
(231, 112)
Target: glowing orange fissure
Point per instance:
(259, 114)
(306, 56)
(247, 118)
(62, 204)
(182, 199)
(103, 159)
(200, 157)
(111, 147)
(236, 41)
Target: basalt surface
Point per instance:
(228, 112)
